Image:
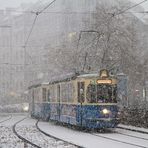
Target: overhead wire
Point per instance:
(131, 7)
(62, 12)
(37, 13)
(54, 12)
(31, 30)
(41, 11)
(72, 12)
(10, 64)
(46, 7)
(112, 15)
(32, 27)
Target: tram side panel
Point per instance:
(45, 105)
(52, 99)
(40, 106)
(68, 103)
(36, 94)
(64, 107)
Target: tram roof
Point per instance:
(88, 75)
(67, 77)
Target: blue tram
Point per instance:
(87, 100)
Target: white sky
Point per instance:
(144, 5)
(16, 3)
(13, 3)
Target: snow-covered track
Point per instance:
(132, 129)
(26, 130)
(21, 137)
(129, 135)
(56, 137)
(7, 137)
(6, 118)
(120, 140)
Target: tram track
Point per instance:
(37, 132)
(9, 118)
(56, 137)
(129, 135)
(7, 136)
(134, 130)
(31, 134)
(121, 141)
(21, 137)
(111, 137)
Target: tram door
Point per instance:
(58, 99)
(33, 105)
(81, 99)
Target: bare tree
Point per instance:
(112, 42)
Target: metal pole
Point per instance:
(25, 77)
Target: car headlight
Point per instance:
(105, 111)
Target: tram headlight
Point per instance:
(25, 107)
(105, 111)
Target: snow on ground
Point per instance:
(131, 133)
(133, 128)
(3, 117)
(81, 138)
(27, 128)
(7, 137)
(136, 141)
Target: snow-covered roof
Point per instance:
(63, 77)
(66, 77)
(45, 83)
(88, 75)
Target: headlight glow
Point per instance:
(26, 108)
(105, 111)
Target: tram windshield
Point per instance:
(101, 93)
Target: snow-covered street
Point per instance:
(119, 138)
(26, 129)
(92, 140)
(7, 138)
(73, 73)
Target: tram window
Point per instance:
(44, 94)
(114, 96)
(64, 91)
(81, 91)
(58, 92)
(48, 95)
(91, 93)
(101, 93)
(70, 92)
(52, 93)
